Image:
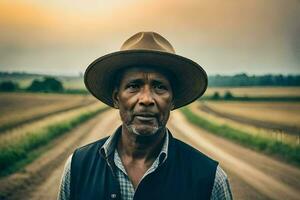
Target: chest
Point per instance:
(177, 178)
(136, 171)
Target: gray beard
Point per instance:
(132, 129)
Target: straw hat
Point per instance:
(146, 48)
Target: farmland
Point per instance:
(20, 108)
(29, 121)
(285, 146)
(38, 121)
(274, 115)
(237, 117)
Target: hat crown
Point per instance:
(148, 41)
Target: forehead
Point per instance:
(144, 73)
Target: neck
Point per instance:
(138, 147)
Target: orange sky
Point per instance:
(64, 36)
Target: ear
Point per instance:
(115, 98)
(172, 106)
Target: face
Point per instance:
(144, 99)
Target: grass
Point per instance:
(267, 145)
(15, 154)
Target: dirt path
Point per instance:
(265, 177)
(252, 175)
(49, 189)
(40, 179)
(253, 122)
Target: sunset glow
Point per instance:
(255, 37)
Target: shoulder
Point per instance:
(91, 146)
(97, 143)
(87, 152)
(221, 188)
(64, 189)
(193, 155)
(198, 169)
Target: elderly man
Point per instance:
(142, 160)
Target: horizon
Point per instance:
(80, 74)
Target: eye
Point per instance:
(160, 88)
(132, 87)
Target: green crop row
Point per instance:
(267, 145)
(21, 149)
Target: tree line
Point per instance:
(254, 80)
(46, 84)
(53, 84)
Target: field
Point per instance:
(282, 130)
(32, 124)
(282, 148)
(273, 119)
(30, 121)
(20, 108)
(269, 127)
(280, 114)
(256, 91)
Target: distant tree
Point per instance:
(228, 95)
(48, 84)
(53, 84)
(36, 86)
(216, 95)
(8, 86)
(240, 79)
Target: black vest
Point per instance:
(186, 174)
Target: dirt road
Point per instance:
(49, 189)
(252, 175)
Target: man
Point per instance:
(142, 160)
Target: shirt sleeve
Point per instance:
(221, 188)
(64, 189)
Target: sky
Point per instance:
(63, 37)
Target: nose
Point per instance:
(146, 97)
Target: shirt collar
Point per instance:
(107, 149)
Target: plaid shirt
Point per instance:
(221, 189)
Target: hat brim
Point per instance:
(191, 77)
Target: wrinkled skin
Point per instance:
(144, 98)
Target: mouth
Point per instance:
(147, 117)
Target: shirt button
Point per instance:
(113, 196)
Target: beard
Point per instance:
(144, 131)
(145, 136)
